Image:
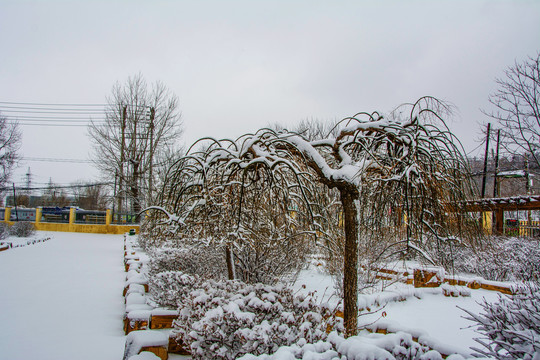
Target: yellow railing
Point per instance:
(529, 229)
(71, 226)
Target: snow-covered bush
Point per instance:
(4, 230)
(22, 229)
(169, 288)
(504, 259)
(196, 259)
(511, 326)
(227, 319)
(399, 346)
(164, 259)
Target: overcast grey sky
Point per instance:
(239, 65)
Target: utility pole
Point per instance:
(122, 159)
(115, 193)
(135, 161)
(528, 190)
(527, 176)
(28, 180)
(15, 203)
(483, 215)
(151, 173)
(485, 162)
(496, 186)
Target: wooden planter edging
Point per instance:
(427, 278)
(141, 320)
(147, 340)
(136, 320)
(162, 319)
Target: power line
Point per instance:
(48, 104)
(476, 148)
(56, 115)
(63, 115)
(54, 118)
(58, 160)
(68, 125)
(27, 105)
(50, 111)
(24, 188)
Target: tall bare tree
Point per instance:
(141, 121)
(517, 107)
(10, 142)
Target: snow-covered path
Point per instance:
(62, 299)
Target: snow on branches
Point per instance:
(191, 258)
(502, 259)
(259, 192)
(169, 288)
(511, 327)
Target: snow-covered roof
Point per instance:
(513, 174)
(530, 202)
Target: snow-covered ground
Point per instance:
(62, 298)
(424, 310)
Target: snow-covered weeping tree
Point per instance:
(409, 159)
(255, 212)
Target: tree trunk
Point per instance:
(136, 207)
(350, 264)
(230, 262)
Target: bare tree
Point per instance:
(411, 153)
(517, 107)
(54, 195)
(140, 123)
(90, 197)
(10, 141)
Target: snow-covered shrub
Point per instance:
(511, 326)
(164, 259)
(400, 346)
(4, 230)
(505, 259)
(169, 288)
(197, 259)
(227, 319)
(22, 229)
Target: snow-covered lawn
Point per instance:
(62, 299)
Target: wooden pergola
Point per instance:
(500, 205)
